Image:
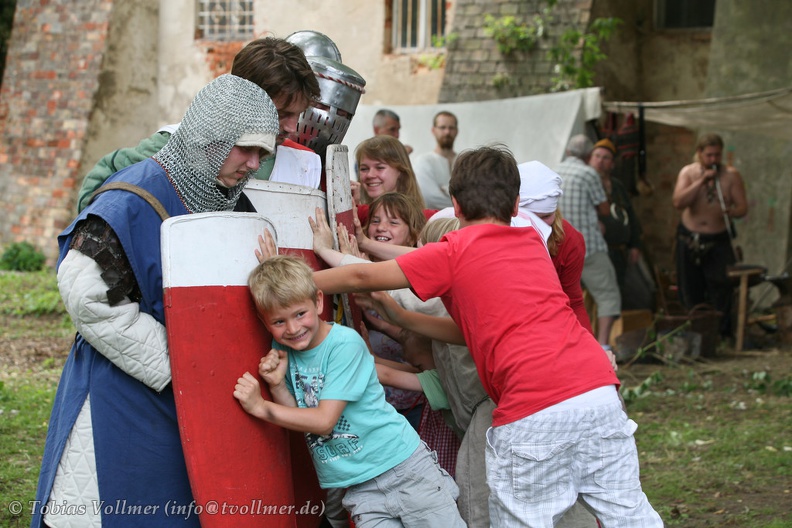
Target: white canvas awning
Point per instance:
(766, 113)
(535, 127)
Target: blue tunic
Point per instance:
(139, 459)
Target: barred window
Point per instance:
(418, 24)
(225, 20)
(681, 14)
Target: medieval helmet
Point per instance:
(327, 120)
(315, 44)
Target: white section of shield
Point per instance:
(211, 249)
(287, 206)
(339, 192)
(339, 201)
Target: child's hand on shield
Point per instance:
(267, 247)
(248, 392)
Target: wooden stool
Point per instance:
(748, 276)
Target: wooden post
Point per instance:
(742, 317)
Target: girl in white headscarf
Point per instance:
(540, 189)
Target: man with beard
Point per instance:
(433, 169)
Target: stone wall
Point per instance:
(51, 77)
(477, 70)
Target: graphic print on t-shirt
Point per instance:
(340, 442)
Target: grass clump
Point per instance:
(31, 293)
(22, 256)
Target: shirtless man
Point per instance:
(704, 240)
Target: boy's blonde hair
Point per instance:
(282, 281)
(434, 230)
(401, 205)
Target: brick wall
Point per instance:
(51, 75)
(220, 55)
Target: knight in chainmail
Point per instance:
(113, 438)
(316, 94)
(213, 124)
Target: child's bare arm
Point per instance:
(318, 420)
(438, 328)
(347, 244)
(395, 365)
(382, 325)
(382, 250)
(398, 378)
(361, 277)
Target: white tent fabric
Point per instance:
(534, 128)
(765, 113)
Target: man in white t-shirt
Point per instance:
(433, 169)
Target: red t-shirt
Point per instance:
(568, 263)
(501, 288)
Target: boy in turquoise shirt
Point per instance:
(323, 383)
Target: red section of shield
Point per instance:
(251, 473)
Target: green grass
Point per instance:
(715, 449)
(31, 305)
(33, 293)
(34, 339)
(25, 406)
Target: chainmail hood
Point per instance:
(226, 112)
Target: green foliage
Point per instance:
(437, 60)
(444, 41)
(642, 390)
(501, 80)
(762, 382)
(22, 256)
(431, 61)
(512, 36)
(30, 294)
(572, 72)
(717, 455)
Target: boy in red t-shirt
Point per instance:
(559, 430)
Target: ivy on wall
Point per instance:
(512, 36)
(571, 71)
(573, 55)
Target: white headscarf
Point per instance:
(524, 218)
(540, 188)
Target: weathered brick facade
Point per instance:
(51, 76)
(64, 81)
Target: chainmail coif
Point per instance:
(222, 112)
